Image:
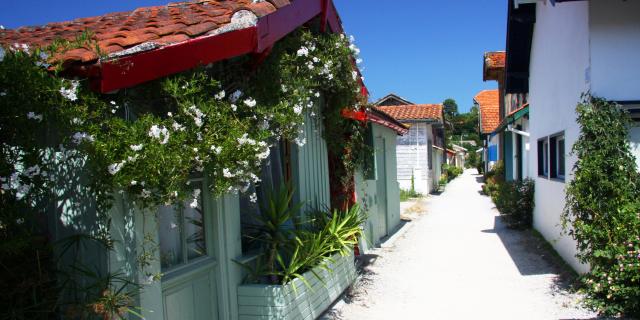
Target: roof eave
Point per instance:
(142, 67)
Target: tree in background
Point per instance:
(450, 108)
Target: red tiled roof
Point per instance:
(154, 26)
(495, 59)
(414, 111)
(494, 65)
(489, 102)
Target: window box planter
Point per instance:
(283, 302)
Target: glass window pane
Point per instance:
(561, 157)
(170, 237)
(545, 152)
(194, 225)
(271, 179)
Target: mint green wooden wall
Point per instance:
(310, 168)
(380, 197)
(207, 290)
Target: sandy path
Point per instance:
(458, 261)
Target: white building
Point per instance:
(420, 152)
(574, 47)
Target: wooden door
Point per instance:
(189, 288)
(381, 186)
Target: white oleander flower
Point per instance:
(70, 93)
(159, 132)
(220, 95)
(34, 116)
(303, 51)
(250, 102)
(115, 167)
(136, 147)
(227, 173)
(80, 137)
(253, 198)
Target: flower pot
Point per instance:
(297, 300)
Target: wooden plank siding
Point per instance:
(311, 167)
(305, 302)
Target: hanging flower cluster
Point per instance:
(149, 141)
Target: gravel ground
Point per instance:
(458, 261)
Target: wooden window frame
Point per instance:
(186, 262)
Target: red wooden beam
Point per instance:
(142, 67)
(354, 115)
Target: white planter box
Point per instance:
(306, 303)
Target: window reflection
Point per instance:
(182, 231)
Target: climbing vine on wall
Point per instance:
(602, 208)
(146, 142)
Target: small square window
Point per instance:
(560, 157)
(182, 232)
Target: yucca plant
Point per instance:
(291, 248)
(275, 228)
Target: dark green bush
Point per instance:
(601, 213)
(514, 200)
(493, 179)
(451, 172)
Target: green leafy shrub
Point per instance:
(411, 193)
(514, 200)
(408, 194)
(493, 179)
(451, 172)
(602, 205)
(290, 248)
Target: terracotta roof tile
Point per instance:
(489, 102)
(119, 31)
(414, 111)
(494, 65)
(495, 59)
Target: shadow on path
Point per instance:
(532, 255)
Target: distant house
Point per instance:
(392, 100)
(488, 103)
(420, 152)
(456, 156)
(556, 52)
(512, 131)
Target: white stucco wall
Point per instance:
(558, 72)
(615, 49)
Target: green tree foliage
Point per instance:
(463, 126)
(602, 207)
(450, 108)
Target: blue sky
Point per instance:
(423, 50)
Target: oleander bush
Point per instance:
(602, 205)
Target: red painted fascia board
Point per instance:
(146, 66)
(277, 25)
(142, 67)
